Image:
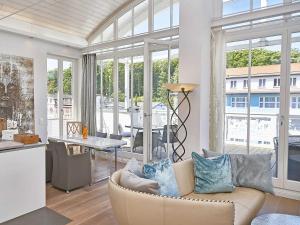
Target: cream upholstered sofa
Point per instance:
(135, 208)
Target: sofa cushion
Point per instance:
(184, 172)
(247, 202)
(135, 167)
(131, 181)
(253, 171)
(163, 173)
(212, 175)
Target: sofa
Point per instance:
(136, 208)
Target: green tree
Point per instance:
(67, 81)
(260, 57)
(52, 82)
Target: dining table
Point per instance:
(93, 143)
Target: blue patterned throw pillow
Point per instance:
(212, 175)
(163, 173)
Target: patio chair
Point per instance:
(172, 137)
(122, 132)
(157, 143)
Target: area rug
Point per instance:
(43, 216)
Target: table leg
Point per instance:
(116, 158)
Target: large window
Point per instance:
(136, 20)
(140, 13)
(239, 6)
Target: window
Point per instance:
(239, 102)
(108, 33)
(269, 102)
(140, 15)
(239, 6)
(233, 84)
(276, 82)
(125, 25)
(162, 14)
(245, 85)
(175, 21)
(262, 83)
(295, 102)
(293, 81)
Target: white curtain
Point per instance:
(217, 99)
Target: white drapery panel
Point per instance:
(88, 92)
(217, 99)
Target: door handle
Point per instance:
(281, 120)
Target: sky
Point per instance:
(235, 6)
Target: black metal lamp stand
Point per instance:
(185, 89)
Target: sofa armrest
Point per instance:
(135, 208)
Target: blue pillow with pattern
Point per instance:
(163, 173)
(212, 175)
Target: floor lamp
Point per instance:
(185, 89)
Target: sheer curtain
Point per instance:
(88, 101)
(217, 99)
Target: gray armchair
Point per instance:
(69, 171)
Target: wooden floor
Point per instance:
(91, 206)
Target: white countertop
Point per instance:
(6, 146)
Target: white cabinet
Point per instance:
(22, 181)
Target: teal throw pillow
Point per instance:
(163, 173)
(212, 175)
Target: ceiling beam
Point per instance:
(131, 40)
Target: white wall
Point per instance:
(14, 44)
(194, 67)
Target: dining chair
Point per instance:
(69, 171)
(101, 135)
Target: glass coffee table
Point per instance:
(276, 219)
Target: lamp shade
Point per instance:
(180, 87)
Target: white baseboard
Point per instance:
(287, 193)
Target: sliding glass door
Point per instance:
(292, 156)
(253, 97)
(263, 101)
(60, 108)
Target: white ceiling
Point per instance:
(69, 21)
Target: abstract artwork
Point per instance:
(16, 93)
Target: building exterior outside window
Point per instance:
(239, 102)
(262, 83)
(293, 81)
(269, 102)
(245, 85)
(276, 82)
(233, 84)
